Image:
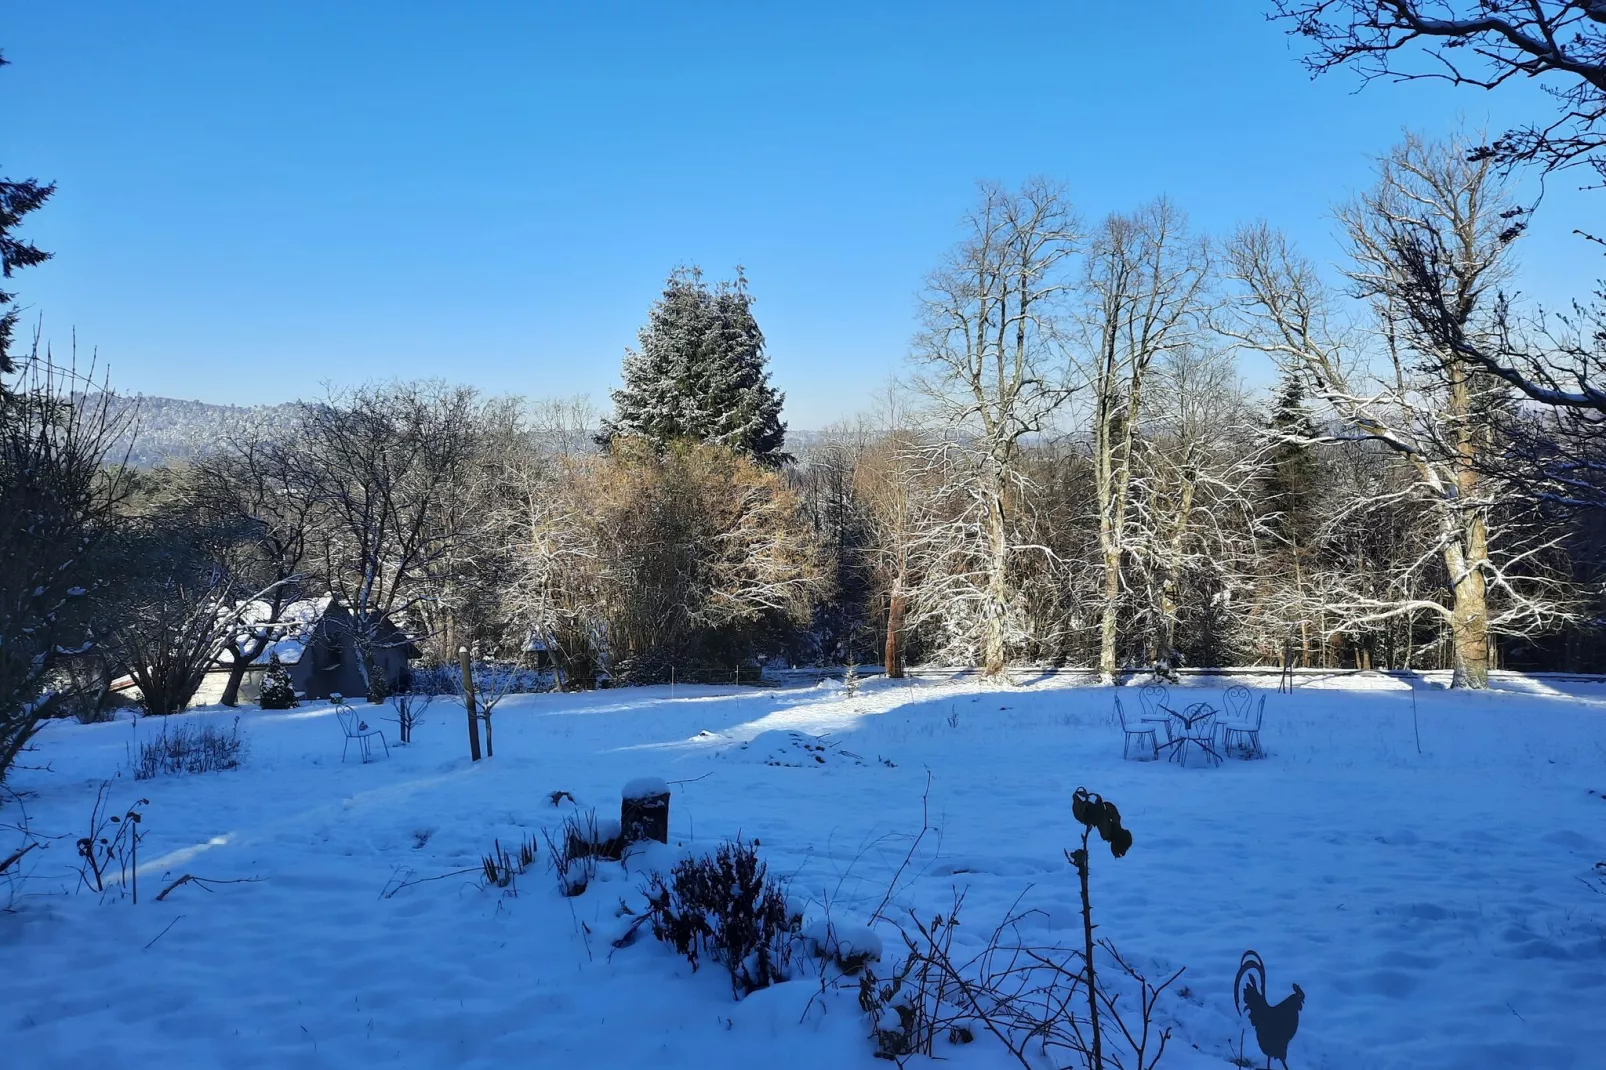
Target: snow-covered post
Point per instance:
(644, 810)
(468, 703)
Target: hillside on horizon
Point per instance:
(168, 431)
(172, 431)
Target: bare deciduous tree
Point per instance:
(1145, 288)
(379, 463)
(189, 587)
(1479, 43)
(1430, 407)
(60, 492)
(253, 486)
(647, 559)
(989, 362)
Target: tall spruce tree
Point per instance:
(701, 373)
(17, 199)
(1290, 483)
(1290, 488)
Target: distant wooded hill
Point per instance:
(166, 432)
(170, 431)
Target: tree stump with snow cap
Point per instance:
(644, 810)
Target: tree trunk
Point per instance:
(1469, 616)
(895, 610)
(231, 690)
(1112, 593)
(1173, 578)
(997, 583)
(243, 660)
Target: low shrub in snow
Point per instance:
(112, 845)
(582, 840)
(726, 907)
(502, 867)
(1086, 1004)
(190, 747)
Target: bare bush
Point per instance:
(190, 748)
(1033, 999)
(112, 845)
(581, 841)
(501, 867)
(727, 907)
(409, 707)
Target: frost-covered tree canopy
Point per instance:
(701, 373)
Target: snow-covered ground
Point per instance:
(1436, 908)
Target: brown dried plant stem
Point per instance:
(1079, 859)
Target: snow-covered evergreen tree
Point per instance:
(278, 693)
(701, 373)
(17, 199)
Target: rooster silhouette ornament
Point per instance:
(1274, 1024)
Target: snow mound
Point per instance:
(644, 787)
(848, 945)
(798, 750)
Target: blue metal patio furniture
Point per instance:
(1198, 732)
(1141, 731)
(1154, 698)
(356, 728)
(1244, 731)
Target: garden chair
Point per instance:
(1244, 730)
(1136, 731)
(356, 728)
(1154, 698)
(1237, 700)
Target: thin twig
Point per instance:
(925, 826)
(203, 882)
(163, 933)
(389, 893)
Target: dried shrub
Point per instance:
(580, 842)
(1044, 1003)
(725, 906)
(190, 747)
(501, 867)
(112, 844)
(1032, 998)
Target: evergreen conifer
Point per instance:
(278, 693)
(17, 199)
(701, 373)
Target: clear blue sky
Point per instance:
(256, 198)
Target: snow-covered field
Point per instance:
(1436, 908)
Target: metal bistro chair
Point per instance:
(1137, 732)
(1154, 698)
(1244, 730)
(356, 728)
(1201, 733)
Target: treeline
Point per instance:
(1073, 473)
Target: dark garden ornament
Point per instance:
(1093, 811)
(1274, 1024)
